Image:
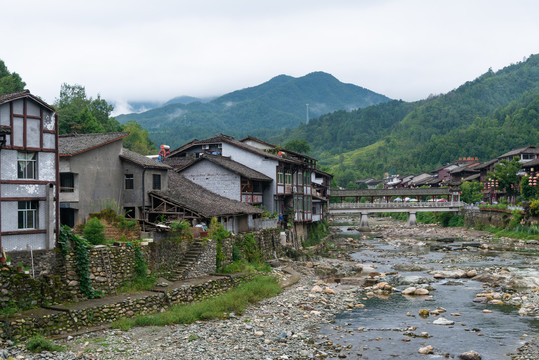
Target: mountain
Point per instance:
(263, 110)
(485, 117)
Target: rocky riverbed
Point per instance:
(310, 318)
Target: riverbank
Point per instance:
(294, 324)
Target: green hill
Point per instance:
(263, 110)
(486, 117)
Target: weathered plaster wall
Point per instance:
(215, 178)
(94, 185)
(266, 166)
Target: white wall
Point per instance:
(257, 162)
(215, 178)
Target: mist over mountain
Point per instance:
(265, 110)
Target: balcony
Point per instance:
(252, 198)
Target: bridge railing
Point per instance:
(396, 205)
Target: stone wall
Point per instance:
(56, 322)
(45, 262)
(21, 291)
(206, 262)
(486, 217)
(167, 253)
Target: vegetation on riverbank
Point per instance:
(445, 219)
(234, 301)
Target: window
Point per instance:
(27, 214)
(129, 212)
(288, 178)
(156, 182)
(129, 182)
(67, 182)
(26, 165)
(280, 177)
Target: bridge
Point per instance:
(410, 201)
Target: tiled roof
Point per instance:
(74, 144)
(233, 166)
(142, 160)
(533, 163)
(22, 94)
(194, 197)
(230, 140)
(485, 164)
(530, 149)
(179, 162)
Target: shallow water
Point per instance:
(385, 321)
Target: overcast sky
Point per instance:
(156, 50)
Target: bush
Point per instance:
(38, 343)
(94, 231)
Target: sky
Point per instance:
(156, 50)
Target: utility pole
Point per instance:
(307, 114)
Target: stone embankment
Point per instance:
(288, 326)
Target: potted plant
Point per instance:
(8, 260)
(2, 260)
(19, 267)
(26, 270)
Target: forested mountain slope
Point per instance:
(494, 113)
(262, 110)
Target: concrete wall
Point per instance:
(134, 197)
(259, 163)
(215, 178)
(99, 180)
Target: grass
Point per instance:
(233, 301)
(38, 343)
(518, 232)
(241, 266)
(137, 284)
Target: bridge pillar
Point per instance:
(364, 223)
(412, 221)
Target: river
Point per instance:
(389, 325)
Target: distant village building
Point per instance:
(28, 173)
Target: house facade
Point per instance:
(28, 173)
(97, 172)
(290, 192)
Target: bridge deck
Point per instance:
(348, 208)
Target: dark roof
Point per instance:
(187, 194)
(523, 150)
(472, 177)
(179, 162)
(230, 140)
(533, 163)
(463, 169)
(23, 94)
(485, 164)
(75, 144)
(233, 166)
(141, 160)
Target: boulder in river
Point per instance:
(470, 355)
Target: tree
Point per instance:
(9, 82)
(471, 192)
(505, 172)
(138, 139)
(80, 114)
(299, 145)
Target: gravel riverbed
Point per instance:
(286, 326)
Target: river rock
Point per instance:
(471, 273)
(408, 267)
(421, 291)
(429, 349)
(443, 321)
(408, 291)
(470, 355)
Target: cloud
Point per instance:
(153, 51)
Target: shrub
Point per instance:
(94, 231)
(38, 343)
